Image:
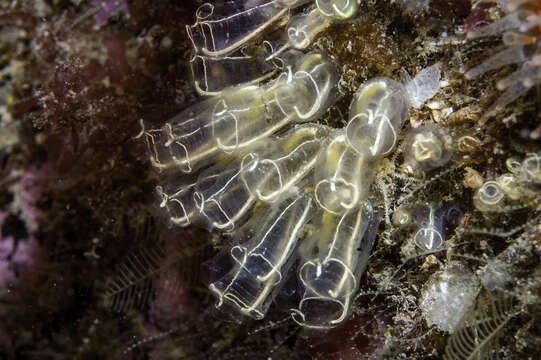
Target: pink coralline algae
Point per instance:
(30, 193)
(109, 9)
(17, 259)
(19, 250)
(172, 303)
(7, 277)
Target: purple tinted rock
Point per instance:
(109, 9)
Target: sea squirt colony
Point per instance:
(251, 161)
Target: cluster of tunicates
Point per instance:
(522, 182)
(228, 150)
(250, 161)
(222, 35)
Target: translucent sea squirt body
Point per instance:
(340, 9)
(275, 174)
(220, 31)
(241, 116)
(263, 257)
(341, 176)
(331, 277)
(176, 199)
(377, 113)
(222, 199)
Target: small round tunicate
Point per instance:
(490, 193)
(468, 144)
(427, 147)
(429, 220)
(513, 164)
(428, 239)
(489, 197)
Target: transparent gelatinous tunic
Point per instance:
(427, 147)
(330, 279)
(342, 175)
(303, 28)
(211, 75)
(340, 9)
(263, 257)
(176, 200)
(429, 221)
(377, 113)
(221, 198)
(219, 31)
(278, 172)
(241, 117)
